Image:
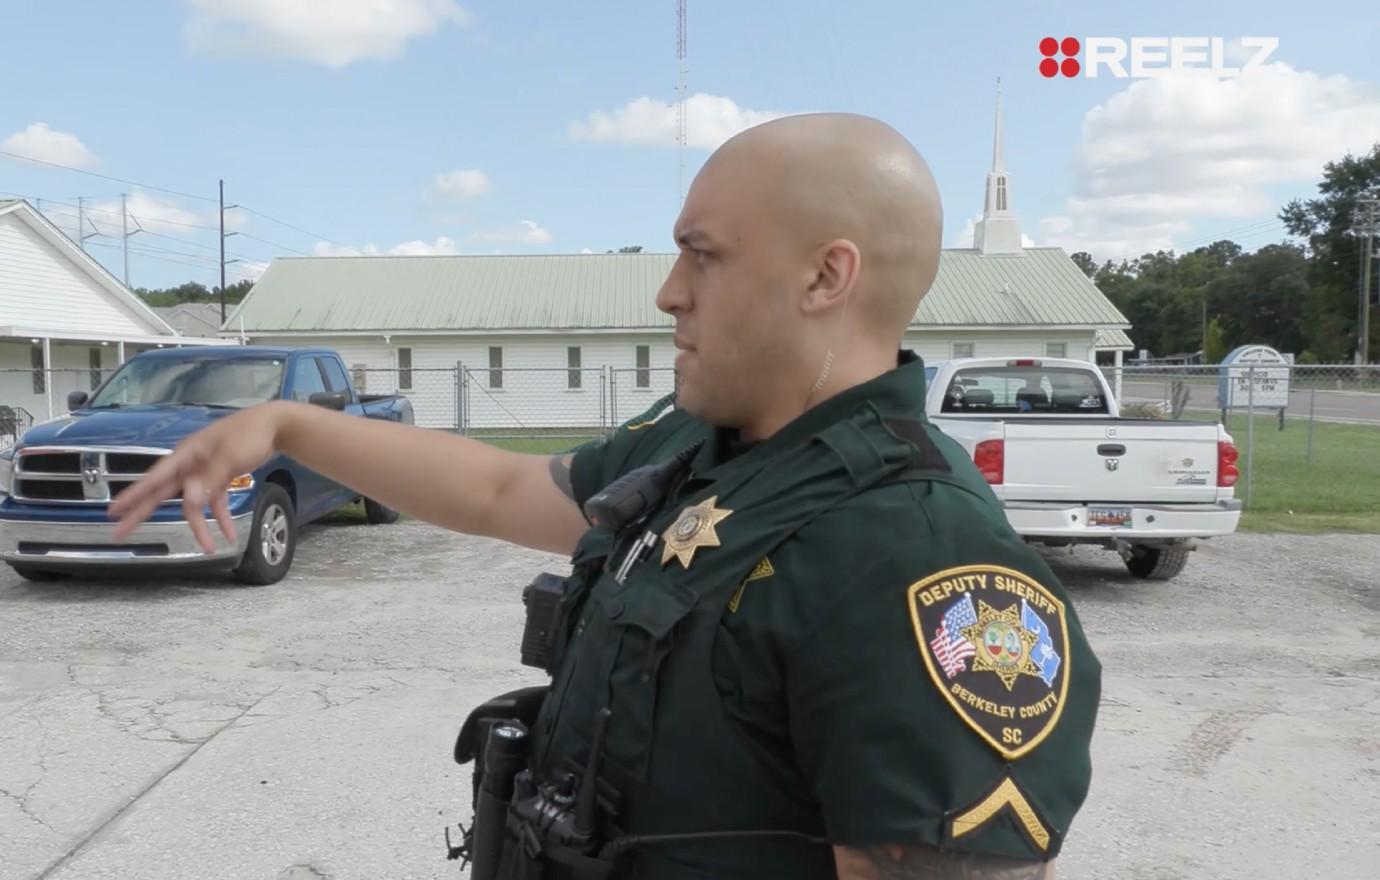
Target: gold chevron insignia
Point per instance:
(1005, 795)
(763, 569)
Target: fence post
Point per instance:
(1312, 396)
(1250, 435)
(613, 400)
(464, 400)
(460, 421)
(603, 399)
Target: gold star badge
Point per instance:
(1003, 644)
(693, 529)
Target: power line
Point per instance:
(299, 229)
(175, 192)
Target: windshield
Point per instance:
(1024, 389)
(230, 383)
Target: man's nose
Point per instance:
(673, 296)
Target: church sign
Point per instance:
(1254, 375)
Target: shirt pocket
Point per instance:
(643, 620)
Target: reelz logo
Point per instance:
(1149, 56)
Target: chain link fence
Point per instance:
(1308, 436)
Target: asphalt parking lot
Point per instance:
(190, 728)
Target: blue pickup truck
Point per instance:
(57, 481)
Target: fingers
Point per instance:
(158, 484)
(194, 496)
(220, 506)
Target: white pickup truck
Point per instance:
(1048, 436)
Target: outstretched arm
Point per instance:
(455, 482)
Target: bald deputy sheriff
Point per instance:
(798, 638)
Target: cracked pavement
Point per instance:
(181, 726)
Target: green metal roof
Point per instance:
(617, 291)
(1112, 338)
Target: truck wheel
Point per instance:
(1156, 563)
(40, 575)
(376, 514)
(272, 539)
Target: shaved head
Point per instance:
(806, 244)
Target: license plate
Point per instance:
(1109, 516)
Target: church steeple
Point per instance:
(998, 232)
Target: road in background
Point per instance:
(1356, 407)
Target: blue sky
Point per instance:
(441, 126)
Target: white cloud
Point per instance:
(38, 141)
(414, 248)
(152, 213)
(709, 121)
(417, 248)
(586, 251)
(465, 183)
(253, 269)
(333, 33)
(526, 232)
(1167, 151)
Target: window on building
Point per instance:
(572, 360)
(644, 366)
(307, 379)
(1001, 193)
(40, 376)
(495, 366)
(359, 374)
(404, 369)
(962, 350)
(1056, 349)
(93, 360)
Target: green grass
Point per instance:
(1337, 488)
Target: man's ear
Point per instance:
(836, 268)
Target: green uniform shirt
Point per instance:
(900, 667)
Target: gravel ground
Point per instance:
(189, 728)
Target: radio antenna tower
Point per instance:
(680, 90)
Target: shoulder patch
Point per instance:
(995, 642)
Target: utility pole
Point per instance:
(81, 224)
(1365, 222)
(124, 234)
(223, 236)
(680, 91)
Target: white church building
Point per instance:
(536, 335)
(65, 321)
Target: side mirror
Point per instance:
(76, 400)
(329, 399)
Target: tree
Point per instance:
(1330, 308)
(194, 292)
(1215, 349)
(1084, 261)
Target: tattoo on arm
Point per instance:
(560, 473)
(925, 863)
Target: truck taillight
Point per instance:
(1227, 473)
(990, 458)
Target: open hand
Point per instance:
(201, 468)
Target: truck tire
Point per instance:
(272, 539)
(376, 514)
(39, 575)
(1156, 563)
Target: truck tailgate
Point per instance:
(1110, 460)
